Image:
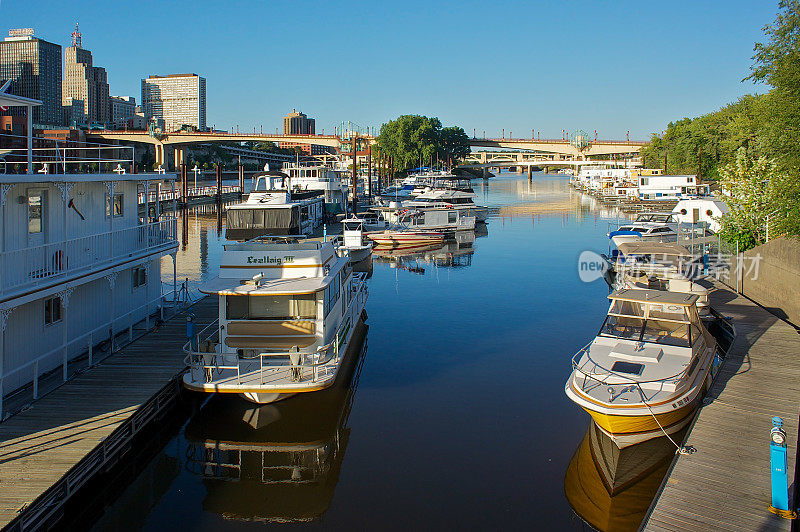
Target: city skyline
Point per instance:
(612, 69)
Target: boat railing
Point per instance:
(301, 366)
(595, 375)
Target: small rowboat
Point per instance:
(394, 238)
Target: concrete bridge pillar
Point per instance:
(159, 154)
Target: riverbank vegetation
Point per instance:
(414, 140)
(752, 146)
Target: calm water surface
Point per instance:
(453, 416)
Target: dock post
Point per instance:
(780, 481)
(190, 331)
(219, 183)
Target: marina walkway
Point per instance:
(725, 485)
(66, 433)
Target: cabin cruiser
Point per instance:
(645, 372)
(352, 240)
(287, 311)
(659, 266)
(452, 191)
(648, 226)
(321, 178)
(436, 219)
(275, 208)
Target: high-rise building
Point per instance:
(85, 82)
(123, 109)
(298, 124)
(178, 99)
(34, 68)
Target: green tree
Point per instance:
(753, 193)
(453, 143)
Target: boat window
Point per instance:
(627, 308)
(622, 327)
(331, 295)
(627, 367)
(237, 307)
(666, 332)
(451, 217)
(296, 306)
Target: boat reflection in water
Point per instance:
(454, 253)
(277, 462)
(612, 488)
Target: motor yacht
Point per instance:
(287, 311)
(274, 207)
(659, 266)
(645, 372)
(649, 227)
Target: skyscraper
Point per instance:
(298, 124)
(178, 99)
(85, 83)
(34, 68)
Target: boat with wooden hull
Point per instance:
(287, 312)
(647, 369)
(400, 238)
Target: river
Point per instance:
(455, 415)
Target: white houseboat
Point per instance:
(80, 263)
(323, 178)
(287, 311)
(274, 207)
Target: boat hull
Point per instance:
(265, 398)
(628, 430)
(406, 239)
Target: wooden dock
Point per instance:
(725, 484)
(50, 450)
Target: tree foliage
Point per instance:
(413, 140)
(753, 145)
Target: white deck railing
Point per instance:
(30, 266)
(204, 364)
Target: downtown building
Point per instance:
(296, 123)
(34, 67)
(177, 99)
(84, 91)
(123, 111)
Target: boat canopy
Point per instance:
(653, 248)
(272, 287)
(655, 297)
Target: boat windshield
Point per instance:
(658, 324)
(655, 218)
(631, 228)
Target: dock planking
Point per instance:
(42, 444)
(725, 484)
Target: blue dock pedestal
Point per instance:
(779, 474)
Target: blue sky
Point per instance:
(548, 66)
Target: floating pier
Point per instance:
(85, 426)
(725, 484)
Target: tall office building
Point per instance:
(86, 83)
(298, 124)
(34, 68)
(178, 99)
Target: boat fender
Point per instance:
(364, 316)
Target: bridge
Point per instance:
(178, 140)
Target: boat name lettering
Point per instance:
(286, 259)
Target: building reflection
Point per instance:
(611, 488)
(277, 462)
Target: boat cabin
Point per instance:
(274, 208)
(652, 317)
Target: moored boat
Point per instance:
(398, 238)
(352, 240)
(287, 311)
(647, 227)
(645, 372)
